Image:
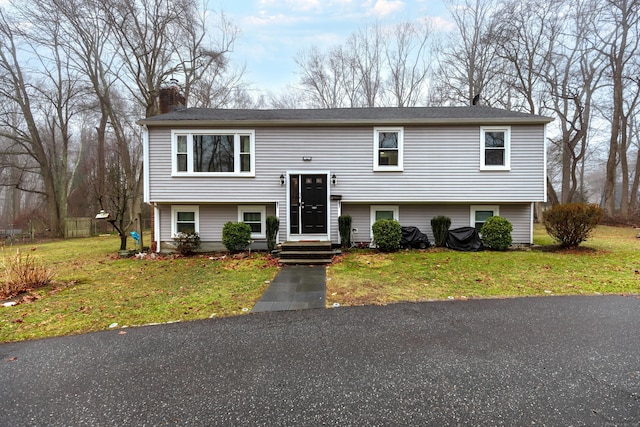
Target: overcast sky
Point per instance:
(273, 31)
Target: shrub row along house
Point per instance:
(205, 167)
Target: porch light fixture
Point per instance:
(281, 179)
(307, 159)
(334, 179)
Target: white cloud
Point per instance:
(381, 8)
(438, 23)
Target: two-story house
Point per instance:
(205, 167)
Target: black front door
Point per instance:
(308, 210)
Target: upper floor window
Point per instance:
(213, 152)
(495, 148)
(388, 148)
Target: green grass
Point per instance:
(93, 288)
(609, 263)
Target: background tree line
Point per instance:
(77, 74)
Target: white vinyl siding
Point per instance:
(440, 165)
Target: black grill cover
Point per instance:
(464, 239)
(412, 237)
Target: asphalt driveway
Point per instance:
(550, 361)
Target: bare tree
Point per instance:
(407, 59)
(44, 97)
(620, 44)
(468, 66)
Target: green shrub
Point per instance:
(496, 233)
(273, 224)
(387, 234)
(344, 226)
(236, 236)
(22, 273)
(187, 242)
(440, 227)
(571, 223)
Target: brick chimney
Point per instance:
(170, 97)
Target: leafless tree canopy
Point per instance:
(77, 73)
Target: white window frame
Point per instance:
(507, 148)
(184, 208)
(263, 220)
(376, 149)
(236, 150)
(374, 208)
(475, 208)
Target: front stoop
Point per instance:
(316, 252)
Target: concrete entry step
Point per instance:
(307, 252)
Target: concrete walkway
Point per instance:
(295, 287)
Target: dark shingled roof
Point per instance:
(342, 116)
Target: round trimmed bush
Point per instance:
(387, 234)
(496, 233)
(236, 236)
(571, 223)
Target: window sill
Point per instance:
(213, 175)
(388, 169)
(495, 168)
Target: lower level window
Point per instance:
(379, 212)
(255, 217)
(481, 213)
(184, 219)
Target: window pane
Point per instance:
(494, 139)
(213, 153)
(388, 140)
(185, 227)
(182, 162)
(384, 215)
(245, 144)
(482, 216)
(494, 157)
(388, 158)
(186, 216)
(251, 216)
(256, 227)
(245, 163)
(182, 143)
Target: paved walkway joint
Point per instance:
(295, 287)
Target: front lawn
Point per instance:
(607, 263)
(94, 290)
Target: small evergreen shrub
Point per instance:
(187, 242)
(344, 226)
(22, 273)
(496, 233)
(387, 234)
(571, 223)
(273, 224)
(440, 228)
(236, 236)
